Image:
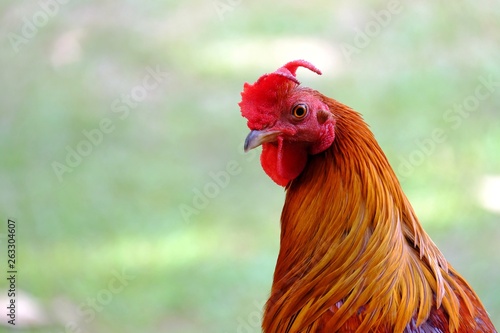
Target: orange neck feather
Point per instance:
(351, 243)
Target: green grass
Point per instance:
(119, 208)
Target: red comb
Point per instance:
(289, 69)
(258, 100)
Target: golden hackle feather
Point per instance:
(352, 247)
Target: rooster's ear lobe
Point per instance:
(322, 116)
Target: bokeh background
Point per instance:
(121, 147)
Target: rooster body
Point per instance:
(353, 255)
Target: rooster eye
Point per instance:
(299, 111)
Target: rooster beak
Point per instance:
(256, 138)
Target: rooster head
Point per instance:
(291, 122)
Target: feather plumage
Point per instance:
(353, 255)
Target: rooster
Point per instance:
(353, 256)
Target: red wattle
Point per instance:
(283, 161)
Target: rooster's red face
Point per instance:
(289, 121)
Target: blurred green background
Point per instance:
(136, 209)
